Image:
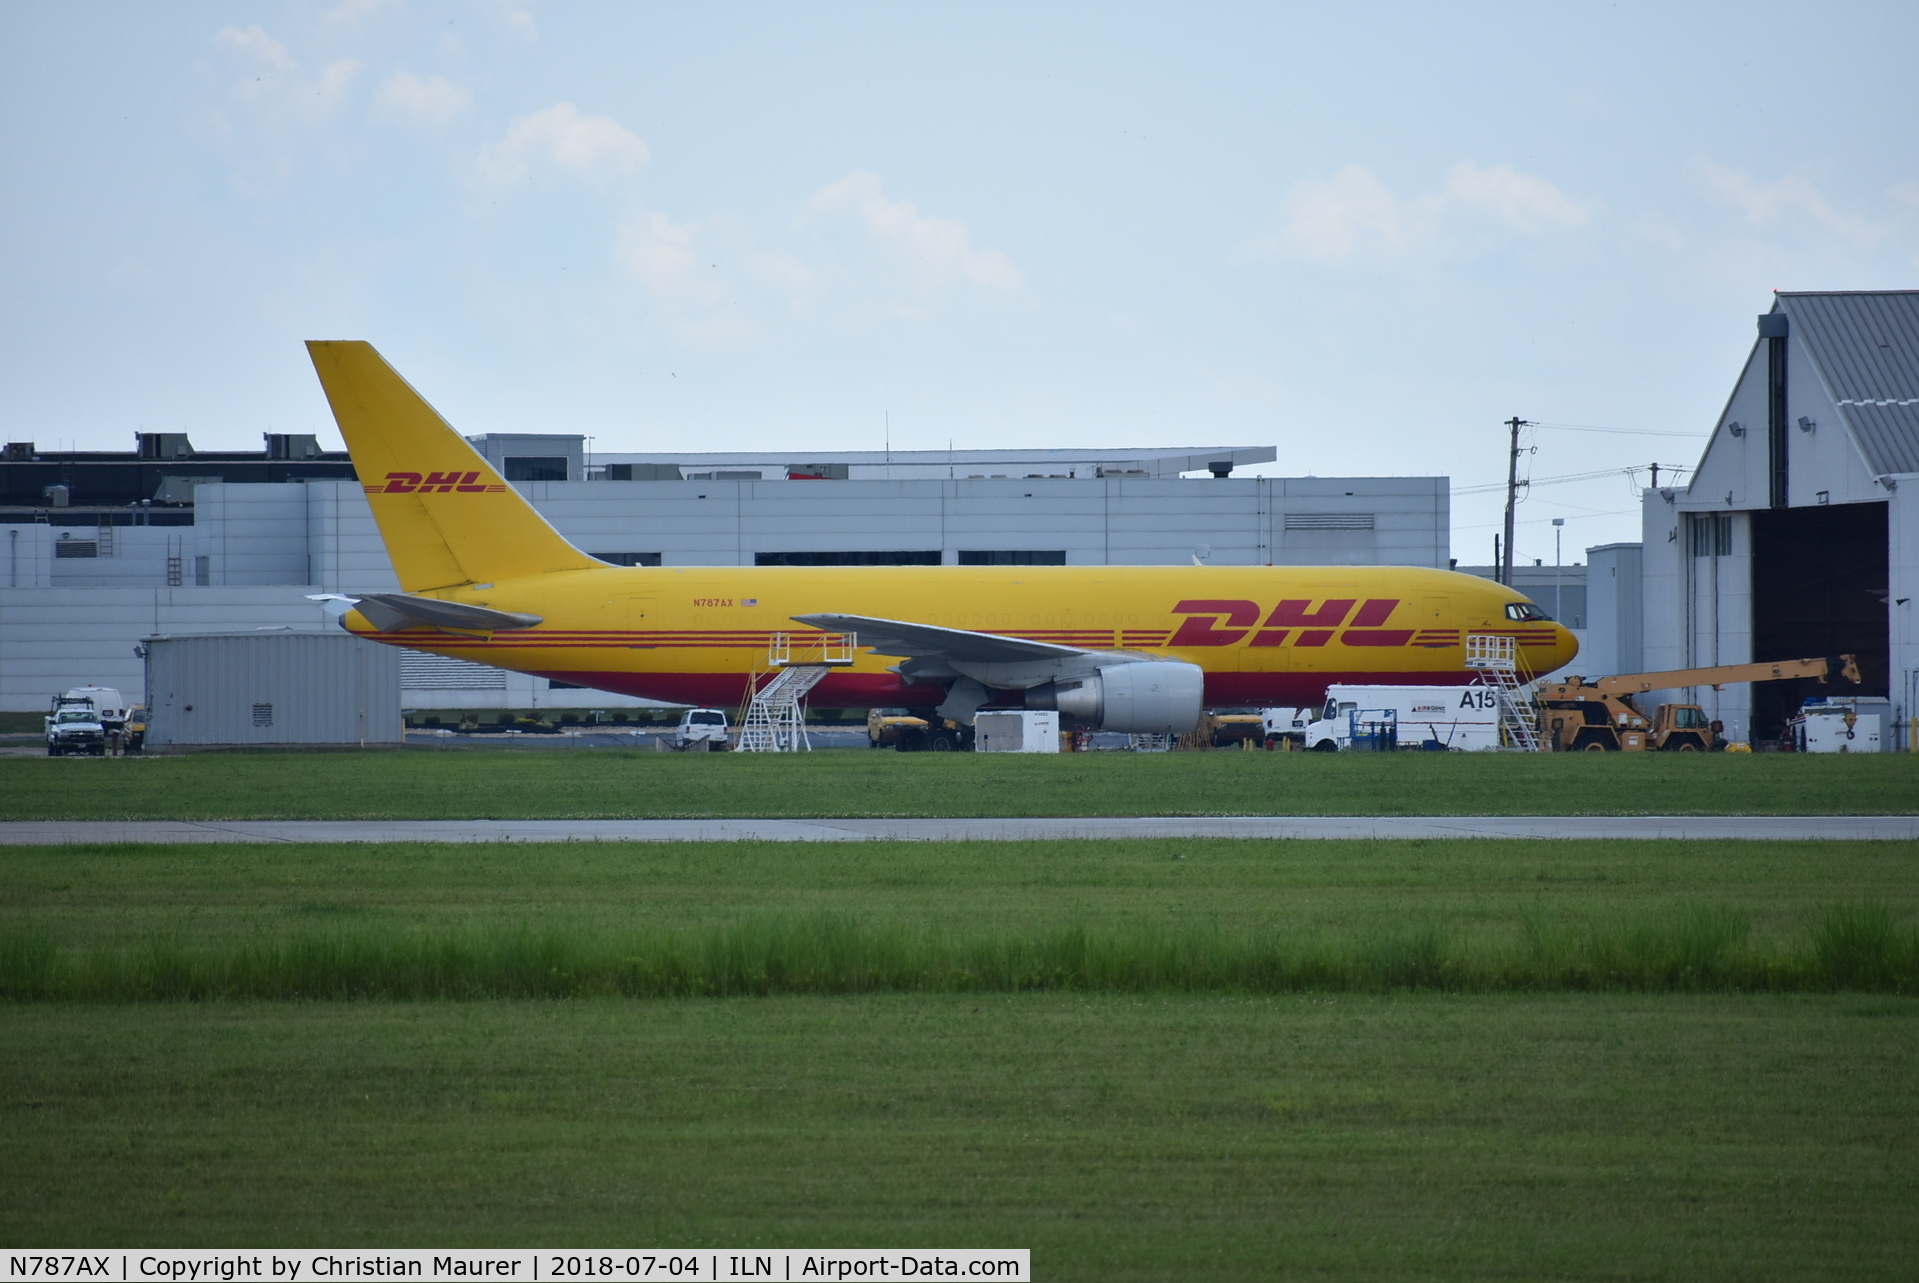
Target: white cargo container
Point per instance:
(271, 687)
(1025, 731)
(1448, 717)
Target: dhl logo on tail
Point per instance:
(432, 482)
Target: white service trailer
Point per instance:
(1444, 717)
(1838, 726)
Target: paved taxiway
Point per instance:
(1885, 828)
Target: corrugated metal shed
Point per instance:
(1865, 346)
(271, 688)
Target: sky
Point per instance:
(1363, 234)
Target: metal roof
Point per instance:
(1865, 345)
(1174, 459)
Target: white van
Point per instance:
(1439, 717)
(1278, 724)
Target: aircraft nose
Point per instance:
(1565, 645)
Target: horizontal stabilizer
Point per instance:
(389, 611)
(896, 637)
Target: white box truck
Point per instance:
(1436, 717)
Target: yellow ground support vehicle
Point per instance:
(1597, 714)
(884, 726)
(1228, 727)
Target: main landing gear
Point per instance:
(935, 739)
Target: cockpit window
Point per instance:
(1525, 612)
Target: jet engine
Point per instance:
(1155, 697)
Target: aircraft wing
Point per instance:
(896, 637)
(387, 611)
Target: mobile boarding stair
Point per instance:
(773, 717)
(1495, 657)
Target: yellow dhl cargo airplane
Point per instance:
(1125, 648)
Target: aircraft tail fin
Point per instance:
(446, 516)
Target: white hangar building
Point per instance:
(85, 580)
(1799, 532)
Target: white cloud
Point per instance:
(1766, 204)
(1327, 219)
(252, 42)
(431, 101)
(521, 24)
(1520, 201)
(272, 83)
(1905, 193)
(660, 252)
(590, 146)
(696, 299)
(348, 13)
(783, 272)
(940, 249)
(1334, 218)
(332, 84)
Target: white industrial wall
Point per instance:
(252, 534)
(29, 555)
(1108, 521)
(52, 639)
(129, 556)
(1615, 628)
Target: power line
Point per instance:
(1624, 432)
(1570, 477)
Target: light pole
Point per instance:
(1558, 576)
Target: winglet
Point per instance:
(446, 516)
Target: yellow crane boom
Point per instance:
(1721, 675)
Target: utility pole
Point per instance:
(1559, 575)
(1512, 497)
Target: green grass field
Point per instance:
(1121, 1123)
(1592, 1137)
(592, 919)
(616, 783)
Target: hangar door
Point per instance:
(1819, 579)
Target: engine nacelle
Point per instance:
(1140, 698)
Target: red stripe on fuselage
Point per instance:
(885, 690)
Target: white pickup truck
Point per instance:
(87, 720)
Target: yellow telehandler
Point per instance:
(1597, 714)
